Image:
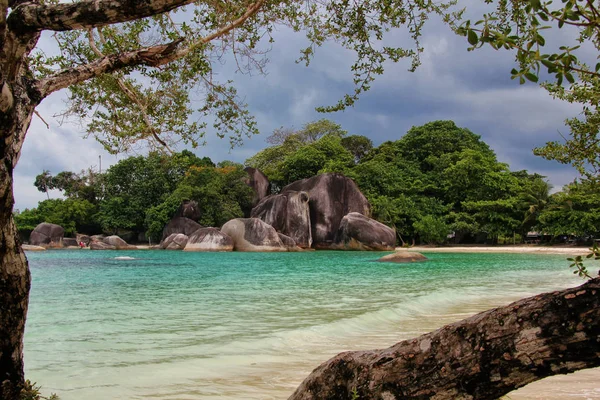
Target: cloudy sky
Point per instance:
(472, 88)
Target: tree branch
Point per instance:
(153, 56)
(84, 14)
(482, 357)
(129, 92)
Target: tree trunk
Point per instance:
(482, 357)
(14, 292)
(17, 103)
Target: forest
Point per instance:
(438, 183)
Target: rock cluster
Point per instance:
(252, 234)
(330, 198)
(114, 242)
(327, 211)
(289, 214)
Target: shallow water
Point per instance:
(175, 325)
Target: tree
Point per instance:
(573, 211)
(431, 230)
(358, 145)
(43, 182)
(74, 215)
(136, 184)
(315, 148)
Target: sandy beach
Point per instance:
(573, 250)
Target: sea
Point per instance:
(152, 324)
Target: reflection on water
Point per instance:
(174, 325)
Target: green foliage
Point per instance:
(358, 146)
(436, 179)
(315, 148)
(74, 215)
(428, 144)
(431, 229)
(31, 391)
(577, 262)
(221, 193)
(85, 185)
(159, 215)
(43, 182)
(573, 211)
(141, 103)
(136, 184)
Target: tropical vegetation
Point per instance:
(437, 183)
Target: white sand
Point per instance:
(579, 250)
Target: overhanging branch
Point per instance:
(84, 14)
(153, 56)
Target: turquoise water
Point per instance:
(175, 325)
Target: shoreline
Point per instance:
(573, 250)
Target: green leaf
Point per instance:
(531, 77)
(569, 77)
(472, 37)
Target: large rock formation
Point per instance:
(288, 242)
(70, 242)
(83, 238)
(289, 214)
(175, 241)
(188, 209)
(180, 225)
(252, 234)
(97, 245)
(209, 239)
(259, 184)
(331, 197)
(118, 243)
(47, 235)
(357, 232)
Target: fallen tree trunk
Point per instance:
(482, 357)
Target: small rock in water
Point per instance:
(403, 256)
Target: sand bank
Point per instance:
(573, 250)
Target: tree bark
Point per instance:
(33, 16)
(482, 357)
(14, 271)
(18, 99)
(14, 292)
